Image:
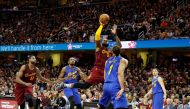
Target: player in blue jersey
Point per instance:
(158, 91)
(73, 73)
(113, 89)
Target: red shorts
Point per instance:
(21, 91)
(96, 76)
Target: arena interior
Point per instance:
(153, 34)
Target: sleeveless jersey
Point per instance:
(101, 56)
(111, 70)
(29, 76)
(74, 78)
(156, 87)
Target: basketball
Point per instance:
(104, 18)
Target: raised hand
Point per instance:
(114, 29)
(119, 94)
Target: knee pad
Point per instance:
(29, 99)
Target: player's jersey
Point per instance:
(156, 87)
(101, 56)
(29, 76)
(74, 78)
(111, 70)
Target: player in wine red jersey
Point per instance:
(25, 79)
(101, 55)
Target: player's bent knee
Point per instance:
(29, 99)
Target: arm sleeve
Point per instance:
(98, 33)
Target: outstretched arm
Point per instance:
(114, 32)
(97, 37)
(60, 77)
(82, 74)
(19, 74)
(40, 77)
(149, 92)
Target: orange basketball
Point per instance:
(104, 18)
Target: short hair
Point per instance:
(156, 69)
(30, 56)
(116, 50)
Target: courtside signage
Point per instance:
(178, 43)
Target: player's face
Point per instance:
(105, 43)
(154, 72)
(71, 61)
(32, 60)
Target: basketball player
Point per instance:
(158, 90)
(113, 89)
(25, 79)
(102, 54)
(71, 93)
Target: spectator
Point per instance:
(137, 19)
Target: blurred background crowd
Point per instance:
(136, 20)
(78, 22)
(137, 81)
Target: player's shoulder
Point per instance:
(99, 49)
(63, 68)
(24, 66)
(160, 78)
(75, 67)
(124, 60)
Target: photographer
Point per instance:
(61, 102)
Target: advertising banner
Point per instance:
(8, 104)
(146, 44)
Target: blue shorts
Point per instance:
(110, 91)
(73, 92)
(158, 100)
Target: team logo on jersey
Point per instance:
(28, 75)
(72, 75)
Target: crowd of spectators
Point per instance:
(137, 79)
(137, 19)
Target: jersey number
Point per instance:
(110, 69)
(72, 76)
